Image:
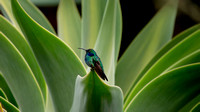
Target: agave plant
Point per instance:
(42, 71)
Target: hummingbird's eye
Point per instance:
(91, 54)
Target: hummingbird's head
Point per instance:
(89, 52)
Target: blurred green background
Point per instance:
(136, 15)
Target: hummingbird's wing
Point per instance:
(99, 70)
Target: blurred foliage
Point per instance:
(41, 71)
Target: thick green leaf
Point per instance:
(196, 108)
(7, 105)
(2, 94)
(175, 54)
(93, 95)
(105, 44)
(69, 24)
(19, 78)
(22, 45)
(190, 105)
(168, 92)
(59, 63)
(32, 10)
(6, 89)
(147, 43)
(171, 44)
(92, 15)
(189, 59)
(165, 49)
(118, 31)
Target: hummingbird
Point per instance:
(93, 61)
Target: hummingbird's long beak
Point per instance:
(82, 49)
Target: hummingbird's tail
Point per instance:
(100, 72)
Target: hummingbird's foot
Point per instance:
(92, 69)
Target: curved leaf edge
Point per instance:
(127, 97)
(7, 105)
(42, 83)
(178, 38)
(190, 104)
(24, 61)
(139, 52)
(196, 108)
(157, 78)
(7, 91)
(17, 9)
(55, 36)
(92, 79)
(2, 94)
